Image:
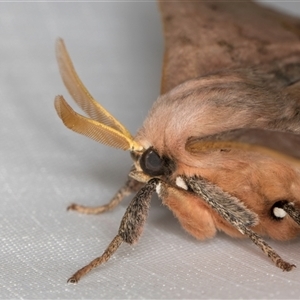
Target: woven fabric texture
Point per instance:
(117, 50)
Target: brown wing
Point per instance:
(206, 36)
(281, 145)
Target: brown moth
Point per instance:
(220, 146)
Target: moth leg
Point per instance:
(292, 211)
(130, 229)
(227, 206)
(130, 186)
(268, 250)
(233, 211)
(110, 250)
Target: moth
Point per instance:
(220, 145)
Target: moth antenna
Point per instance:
(80, 93)
(103, 127)
(92, 129)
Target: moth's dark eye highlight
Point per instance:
(151, 163)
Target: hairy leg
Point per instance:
(130, 186)
(130, 229)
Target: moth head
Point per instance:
(101, 126)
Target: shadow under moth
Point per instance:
(220, 145)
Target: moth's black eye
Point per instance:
(151, 163)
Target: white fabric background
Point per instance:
(117, 49)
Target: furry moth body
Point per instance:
(220, 146)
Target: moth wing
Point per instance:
(280, 145)
(91, 128)
(206, 36)
(80, 94)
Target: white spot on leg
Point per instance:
(241, 231)
(180, 183)
(158, 189)
(279, 212)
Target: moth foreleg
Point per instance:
(130, 186)
(234, 212)
(292, 211)
(130, 229)
(110, 250)
(227, 206)
(278, 261)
